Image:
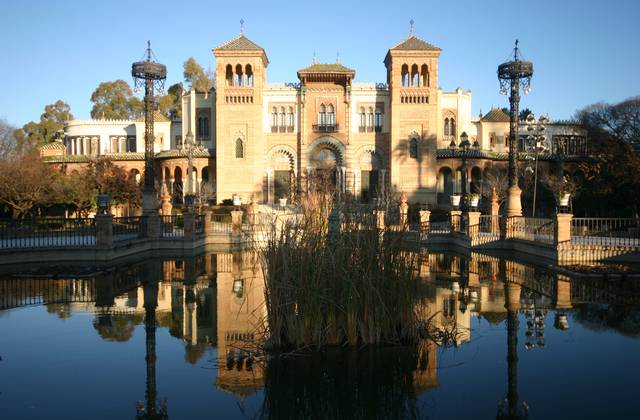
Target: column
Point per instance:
(104, 231)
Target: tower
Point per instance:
(412, 75)
(240, 77)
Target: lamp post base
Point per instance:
(514, 205)
(149, 202)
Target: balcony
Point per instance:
(282, 129)
(325, 128)
(370, 129)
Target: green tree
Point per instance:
(171, 104)
(26, 184)
(114, 180)
(115, 101)
(50, 125)
(196, 77)
(523, 114)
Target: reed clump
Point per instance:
(332, 277)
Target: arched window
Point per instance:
(281, 118)
(131, 144)
(453, 127)
(274, 119)
(238, 80)
(425, 75)
(203, 127)
(447, 127)
(322, 115)
(249, 73)
(378, 119)
(331, 116)
(290, 119)
(413, 148)
(239, 149)
(370, 118)
(405, 75)
(414, 75)
(363, 120)
(229, 75)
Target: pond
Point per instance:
(178, 336)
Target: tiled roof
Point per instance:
(413, 43)
(66, 159)
(174, 153)
(157, 117)
(326, 68)
(54, 145)
(488, 154)
(496, 115)
(240, 43)
(206, 153)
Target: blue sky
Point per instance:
(583, 51)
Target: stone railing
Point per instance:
(605, 231)
(47, 233)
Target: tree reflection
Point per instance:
(598, 317)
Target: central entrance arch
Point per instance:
(326, 165)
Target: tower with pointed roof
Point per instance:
(412, 76)
(240, 78)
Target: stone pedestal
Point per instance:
(473, 217)
(563, 292)
(236, 221)
(562, 228)
(425, 217)
(104, 231)
(150, 224)
(379, 214)
(404, 210)
(189, 226)
(455, 218)
(514, 205)
(512, 296)
(149, 201)
(252, 214)
(207, 224)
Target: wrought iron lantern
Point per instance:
(104, 201)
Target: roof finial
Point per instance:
(313, 60)
(338, 57)
(241, 26)
(148, 50)
(516, 51)
(411, 22)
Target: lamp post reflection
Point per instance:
(151, 411)
(512, 408)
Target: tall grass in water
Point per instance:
(332, 278)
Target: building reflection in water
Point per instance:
(216, 301)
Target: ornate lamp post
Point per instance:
(151, 75)
(536, 131)
(189, 146)
(513, 75)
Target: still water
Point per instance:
(178, 336)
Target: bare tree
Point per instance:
(496, 178)
(621, 119)
(8, 143)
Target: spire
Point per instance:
(241, 26)
(148, 50)
(411, 22)
(338, 57)
(313, 60)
